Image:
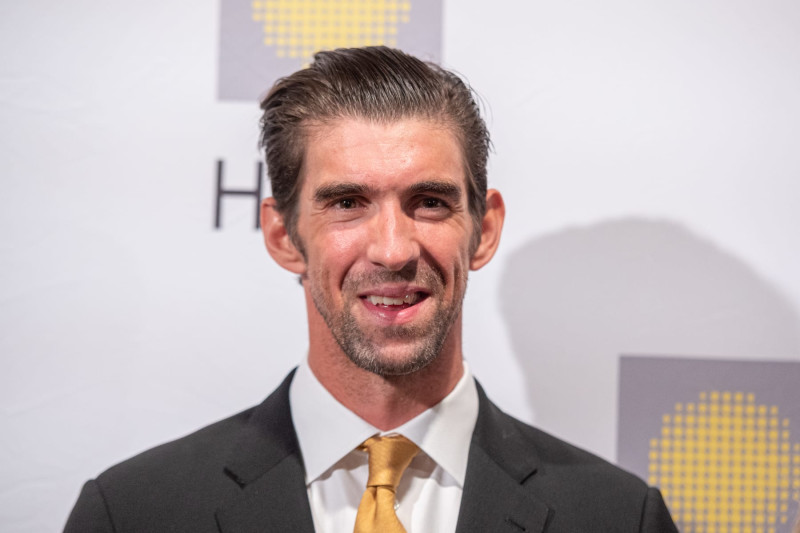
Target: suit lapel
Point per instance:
(500, 461)
(267, 466)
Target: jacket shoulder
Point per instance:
(582, 491)
(512, 441)
(558, 457)
(173, 487)
(189, 458)
(178, 486)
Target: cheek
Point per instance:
(333, 255)
(344, 243)
(450, 250)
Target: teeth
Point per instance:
(408, 299)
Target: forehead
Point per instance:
(384, 155)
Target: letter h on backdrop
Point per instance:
(255, 193)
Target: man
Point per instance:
(378, 169)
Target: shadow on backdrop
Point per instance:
(576, 299)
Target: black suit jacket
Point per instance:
(245, 474)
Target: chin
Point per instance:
(388, 365)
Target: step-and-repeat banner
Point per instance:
(720, 438)
(647, 153)
(264, 39)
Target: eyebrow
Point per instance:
(326, 193)
(441, 188)
(332, 191)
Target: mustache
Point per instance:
(421, 274)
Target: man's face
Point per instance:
(385, 230)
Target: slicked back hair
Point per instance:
(374, 83)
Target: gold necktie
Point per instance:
(388, 459)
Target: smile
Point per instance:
(387, 301)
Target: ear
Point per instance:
(491, 227)
(277, 240)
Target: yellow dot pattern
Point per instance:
(300, 28)
(726, 465)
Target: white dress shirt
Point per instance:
(429, 494)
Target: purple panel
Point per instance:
(248, 66)
(721, 438)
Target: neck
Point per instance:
(387, 402)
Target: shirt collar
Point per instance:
(327, 431)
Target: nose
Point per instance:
(393, 242)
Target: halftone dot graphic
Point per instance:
(726, 464)
(300, 28)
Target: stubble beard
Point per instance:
(425, 341)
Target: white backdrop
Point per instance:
(648, 153)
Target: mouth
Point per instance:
(395, 302)
(400, 302)
(395, 305)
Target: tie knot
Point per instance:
(388, 459)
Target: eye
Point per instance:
(432, 203)
(432, 208)
(346, 203)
